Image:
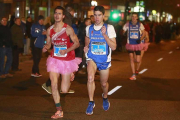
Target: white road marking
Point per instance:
(142, 71)
(159, 59)
(170, 52)
(114, 90)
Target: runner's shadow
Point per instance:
(23, 85)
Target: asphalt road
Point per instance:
(155, 95)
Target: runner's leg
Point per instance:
(104, 75)
(65, 83)
(91, 69)
(54, 86)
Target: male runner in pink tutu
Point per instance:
(62, 60)
(135, 29)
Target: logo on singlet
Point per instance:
(63, 39)
(91, 33)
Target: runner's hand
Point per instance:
(86, 49)
(63, 52)
(44, 32)
(45, 48)
(103, 30)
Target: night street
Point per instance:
(155, 95)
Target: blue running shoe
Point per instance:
(106, 104)
(89, 110)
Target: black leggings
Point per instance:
(137, 52)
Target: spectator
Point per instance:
(38, 33)
(5, 49)
(81, 36)
(28, 34)
(23, 26)
(75, 25)
(69, 14)
(11, 22)
(119, 31)
(47, 22)
(92, 19)
(17, 37)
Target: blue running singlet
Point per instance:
(134, 33)
(99, 51)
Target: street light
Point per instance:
(93, 3)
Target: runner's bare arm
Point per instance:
(146, 37)
(86, 48)
(143, 34)
(124, 28)
(87, 40)
(48, 40)
(110, 41)
(73, 36)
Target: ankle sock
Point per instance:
(58, 106)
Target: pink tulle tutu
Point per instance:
(62, 66)
(145, 46)
(134, 47)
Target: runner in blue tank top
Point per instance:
(99, 43)
(135, 29)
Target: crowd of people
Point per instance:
(74, 46)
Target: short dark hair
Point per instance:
(91, 16)
(74, 20)
(99, 8)
(135, 13)
(69, 8)
(40, 17)
(16, 19)
(60, 8)
(3, 17)
(86, 19)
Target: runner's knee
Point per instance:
(138, 61)
(90, 78)
(104, 84)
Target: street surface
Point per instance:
(155, 95)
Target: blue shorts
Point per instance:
(103, 66)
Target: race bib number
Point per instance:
(98, 48)
(134, 34)
(57, 49)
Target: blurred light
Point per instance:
(178, 5)
(115, 16)
(27, 8)
(29, 12)
(17, 14)
(158, 14)
(147, 13)
(17, 8)
(153, 12)
(93, 3)
(136, 9)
